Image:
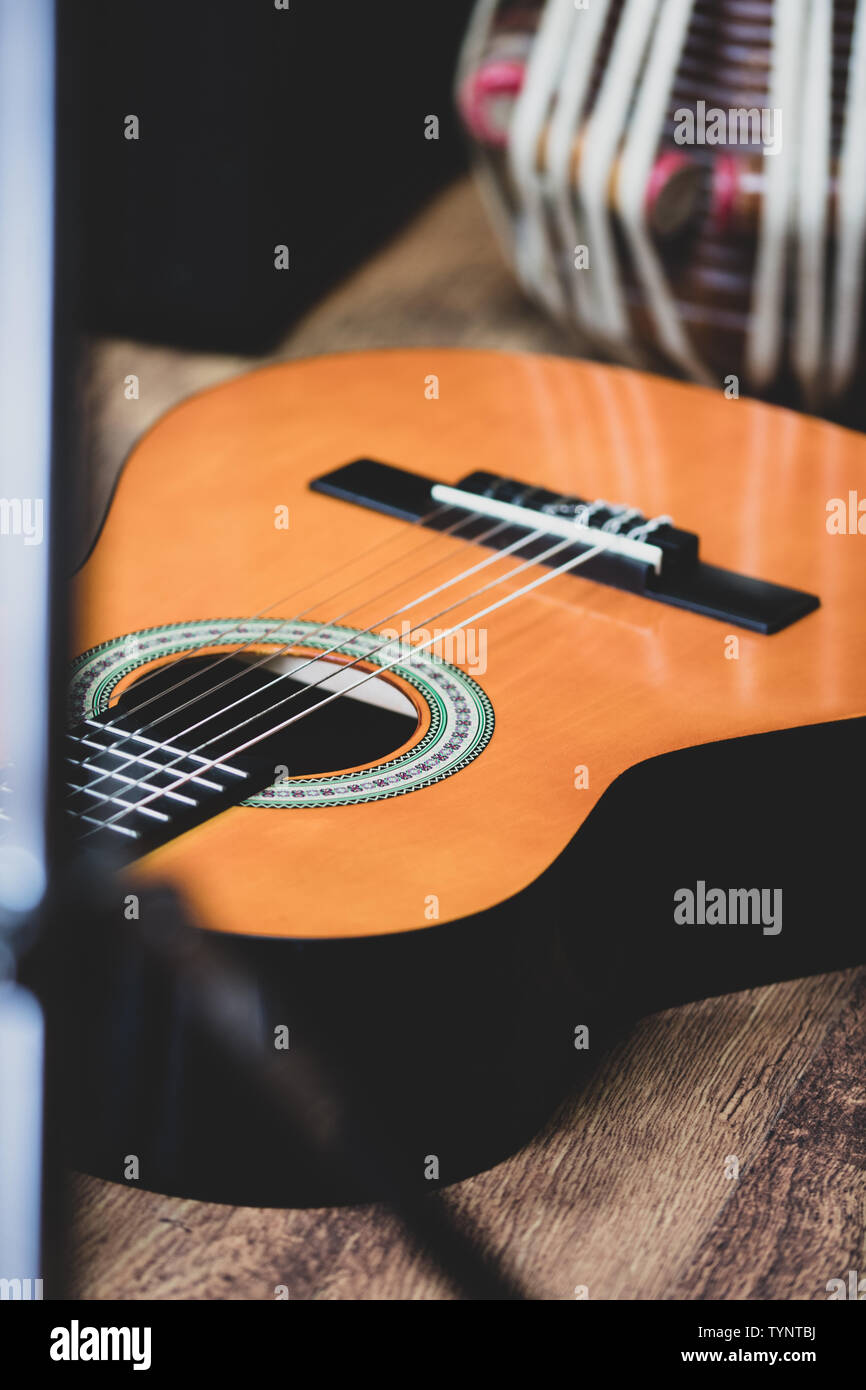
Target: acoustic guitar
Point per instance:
(470, 703)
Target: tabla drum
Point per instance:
(684, 181)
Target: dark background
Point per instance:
(258, 127)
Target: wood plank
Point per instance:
(795, 1219)
(619, 1193)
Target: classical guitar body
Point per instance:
(538, 754)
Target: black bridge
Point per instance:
(647, 556)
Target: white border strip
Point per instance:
(564, 129)
(536, 262)
(850, 217)
(766, 323)
(642, 141)
(607, 311)
(813, 201)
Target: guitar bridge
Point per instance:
(650, 556)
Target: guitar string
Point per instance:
(108, 773)
(129, 735)
(255, 640)
(270, 656)
(189, 651)
(224, 758)
(183, 755)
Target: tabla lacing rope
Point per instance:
(607, 315)
(850, 217)
(628, 115)
(320, 656)
(438, 637)
(534, 257)
(813, 202)
(475, 43)
(564, 125)
(131, 734)
(472, 52)
(766, 319)
(643, 135)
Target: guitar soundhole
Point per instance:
(402, 730)
(238, 700)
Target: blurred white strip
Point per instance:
(850, 217)
(564, 129)
(607, 311)
(536, 261)
(766, 322)
(26, 282)
(489, 187)
(641, 145)
(21, 1057)
(813, 201)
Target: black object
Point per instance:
(685, 581)
(459, 1040)
(258, 127)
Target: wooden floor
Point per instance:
(626, 1194)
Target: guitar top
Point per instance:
(647, 567)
